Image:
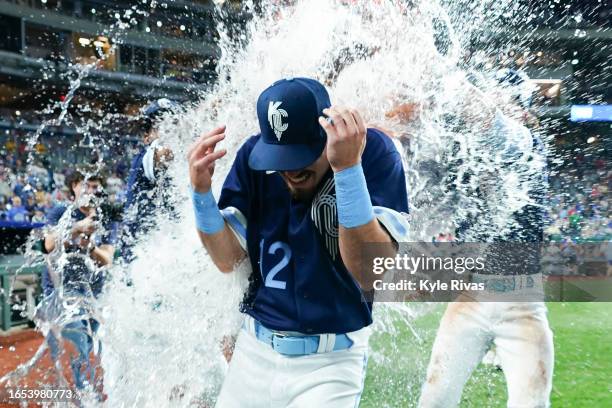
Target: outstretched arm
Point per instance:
(216, 236)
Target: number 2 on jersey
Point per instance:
(269, 280)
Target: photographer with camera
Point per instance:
(91, 232)
(86, 232)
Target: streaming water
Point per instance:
(161, 334)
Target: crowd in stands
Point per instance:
(21, 116)
(579, 217)
(579, 204)
(28, 193)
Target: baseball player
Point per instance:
(519, 330)
(299, 200)
(147, 182)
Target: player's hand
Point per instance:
(85, 242)
(346, 137)
(86, 226)
(202, 157)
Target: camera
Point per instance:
(105, 211)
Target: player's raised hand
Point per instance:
(202, 157)
(346, 137)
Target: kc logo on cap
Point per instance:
(275, 117)
(288, 114)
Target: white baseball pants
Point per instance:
(258, 376)
(523, 343)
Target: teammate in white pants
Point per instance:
(519, 330)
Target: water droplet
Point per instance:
(580, 33)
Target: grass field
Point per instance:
(582, 374)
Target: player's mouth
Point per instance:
(296, 178)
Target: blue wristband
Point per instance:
(208, 217)
(352, 197)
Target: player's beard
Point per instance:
(305, 190)
(301, 194)
(303, 184)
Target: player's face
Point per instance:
(303, 183)
(84, 191)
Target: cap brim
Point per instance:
(279, 157)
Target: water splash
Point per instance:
(373, 56)
(162, 332)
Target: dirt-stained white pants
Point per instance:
(524, 345)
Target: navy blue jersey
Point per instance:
(140, 191)
(517, 252)
(147, 191)
(299, 282)
(529, 221)
(77, 275)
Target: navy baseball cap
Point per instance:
(291, 137)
